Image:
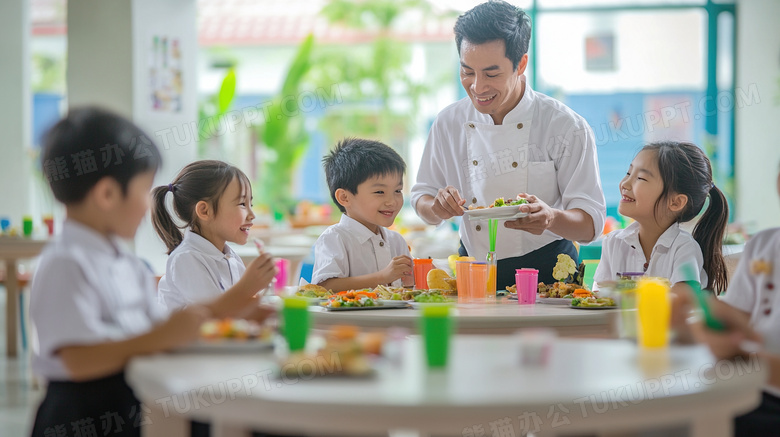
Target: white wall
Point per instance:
(109, 61)
(758, 118)
(641, 51)
(15, 111)
(100, 55)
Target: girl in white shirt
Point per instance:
(668, 184)
(92, 300)
(213, 200)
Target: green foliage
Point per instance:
(284, 134)
(48, 74)
(226, 92)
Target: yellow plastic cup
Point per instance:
(653, 313)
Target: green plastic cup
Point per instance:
(27, 226)
(436, 326)
(295, 315)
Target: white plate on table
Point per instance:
(396, 304)
(418, 305)
(391, 302)
(554, 300)
(500, 213)
(612, 307)
(227, 346)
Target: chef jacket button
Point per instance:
(474, 162)
(381, 243)
(471, 125)
(474, 200)
(479, 227)
(519, 125)
(514, 164)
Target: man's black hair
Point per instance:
(496, 20)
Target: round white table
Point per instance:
(588, 386)
(502, 317)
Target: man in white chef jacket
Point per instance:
(503, 139)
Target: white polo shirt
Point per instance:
(754, 289)
(564, 170)
(87, 289)
(349, 249)
(197, 271)
(621, 252)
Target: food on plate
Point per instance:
(453, 259)
(564, 268)
(432, 296)
(499, 202)
(592, 302)
(390, 293)
(351, 299)
(233, 329)
(581, 292)
(345, 353)
(313, 291)
(556, 290)
(439, 279)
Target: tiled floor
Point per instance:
(18, 400)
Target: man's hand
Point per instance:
(540, 216)
(448, 203)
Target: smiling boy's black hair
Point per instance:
(355, 160)
(496, 20)
(89, 144)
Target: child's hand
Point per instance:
(399, 267)
(258, 314)
(682, 304)
(183, 326)
(737, 337)
(259, 273)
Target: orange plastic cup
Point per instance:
(421, 268)
(463, 280)
(478, 277)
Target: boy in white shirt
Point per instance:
(365, 179)
(93, 302)
(748, 311)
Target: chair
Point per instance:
(307, 267)
(590, 271)
(23, 279)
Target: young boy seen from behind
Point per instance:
(92, 301)
(365, 179)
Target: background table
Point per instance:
(588, 386)
(12, 249)
(503, 317)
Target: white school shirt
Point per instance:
(621, 252)
(197, 271)
(564, 170)
(754, 289)
(88, 289)
(348, 249)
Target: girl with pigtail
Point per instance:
(212, 203)
(668, 183)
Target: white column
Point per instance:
(757, 132)
(111, 55)
(16, 167)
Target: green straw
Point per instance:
(709, 319)
(493, 232)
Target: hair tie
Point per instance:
(712, 185)
(171, 188)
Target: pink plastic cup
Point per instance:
(282, 274)
(527, 281)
